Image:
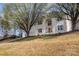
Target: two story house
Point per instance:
(50, 26)
(47, 26)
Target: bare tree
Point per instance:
(71, 10)
(26, 15)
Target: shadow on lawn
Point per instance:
(44, 37)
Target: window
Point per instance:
(60, 27)
(49, 22)
(49, 30)
(40, 30)
(39, 22)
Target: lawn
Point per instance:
(64, 45)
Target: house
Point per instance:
(50, 26)
(47, 26)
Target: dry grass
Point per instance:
(60, 45)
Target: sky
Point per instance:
(1, 7)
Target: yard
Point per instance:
(64, 45)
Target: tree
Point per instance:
(71, 10)
(5, 26)
(26, 15)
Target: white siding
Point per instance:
(66, 27)
(44, 26)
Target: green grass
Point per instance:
(42, 45)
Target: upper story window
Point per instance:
(40, 30)
(49, 30)
(49, 22)
(39, 22)
(60, 27)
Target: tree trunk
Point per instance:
(73, 25)
(27, 33)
